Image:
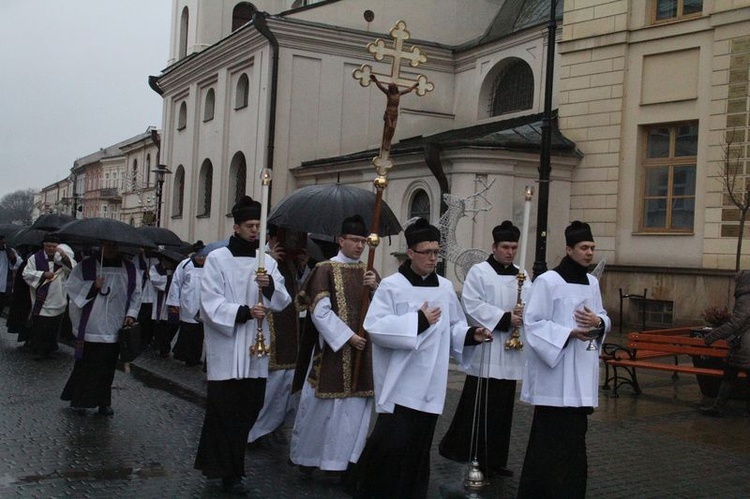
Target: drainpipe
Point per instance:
(432, 159)
(259, 21)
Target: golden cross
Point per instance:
(396, 52)
(389, 84)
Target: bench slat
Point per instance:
(667, 367)
(678, 349)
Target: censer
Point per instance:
(474, 479)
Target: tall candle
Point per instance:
(265, 177)
(525, 226)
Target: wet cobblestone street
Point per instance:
(654, 445)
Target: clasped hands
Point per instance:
(586, 321)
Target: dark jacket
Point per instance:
(739, 324)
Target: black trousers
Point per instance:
(90, 383)
(232, 406)
(396, 460)
(556, 465)
(496, 401)
(44, 332)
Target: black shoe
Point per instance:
(106, 410)
(233, 486)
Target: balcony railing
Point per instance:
(109, 193)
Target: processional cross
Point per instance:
(393, 85)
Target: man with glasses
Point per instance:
(415, 324)
(333, 417)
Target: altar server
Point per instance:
(415, 323)
(230, 309)
(489, 297)
(564, 322)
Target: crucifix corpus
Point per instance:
(393, 85)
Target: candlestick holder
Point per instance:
(514, 342)
(260, 349)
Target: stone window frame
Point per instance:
(178, 190)
(679, 10)
(205, 189)
(671, 164)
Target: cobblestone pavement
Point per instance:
(654, 445)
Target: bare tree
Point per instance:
(737, 186)
(17, 206)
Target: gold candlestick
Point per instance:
(514, 342)
(260, 349)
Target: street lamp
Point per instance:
(540, 259)
(161, 172)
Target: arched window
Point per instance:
(513, 88)
(242, 14)
(182, 116)
(147, 171)
(182, 47)
(205, 181)
(178, 192)
(208, 106)
(420, 205)
(134, 175)
(243, 89)
(237, 179)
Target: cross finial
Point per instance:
(396, 51)
(393, 85)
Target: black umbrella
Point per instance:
(322, 208)
(51, 221)
(94, 230)
(161, 236)
(26, 237)
(7, 230)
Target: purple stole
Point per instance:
(160, 294)
(88, 272)
(42, 262)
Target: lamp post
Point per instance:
(540, 258)
(161, 172)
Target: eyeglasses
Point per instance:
(434, 253)
(356, 240)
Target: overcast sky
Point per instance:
(75, 79)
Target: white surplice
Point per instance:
(109, 309)
(411, 370)
(486, 297)
(228, 283)
(560, 372)
(185, 290)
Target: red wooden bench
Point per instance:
(644, 347)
